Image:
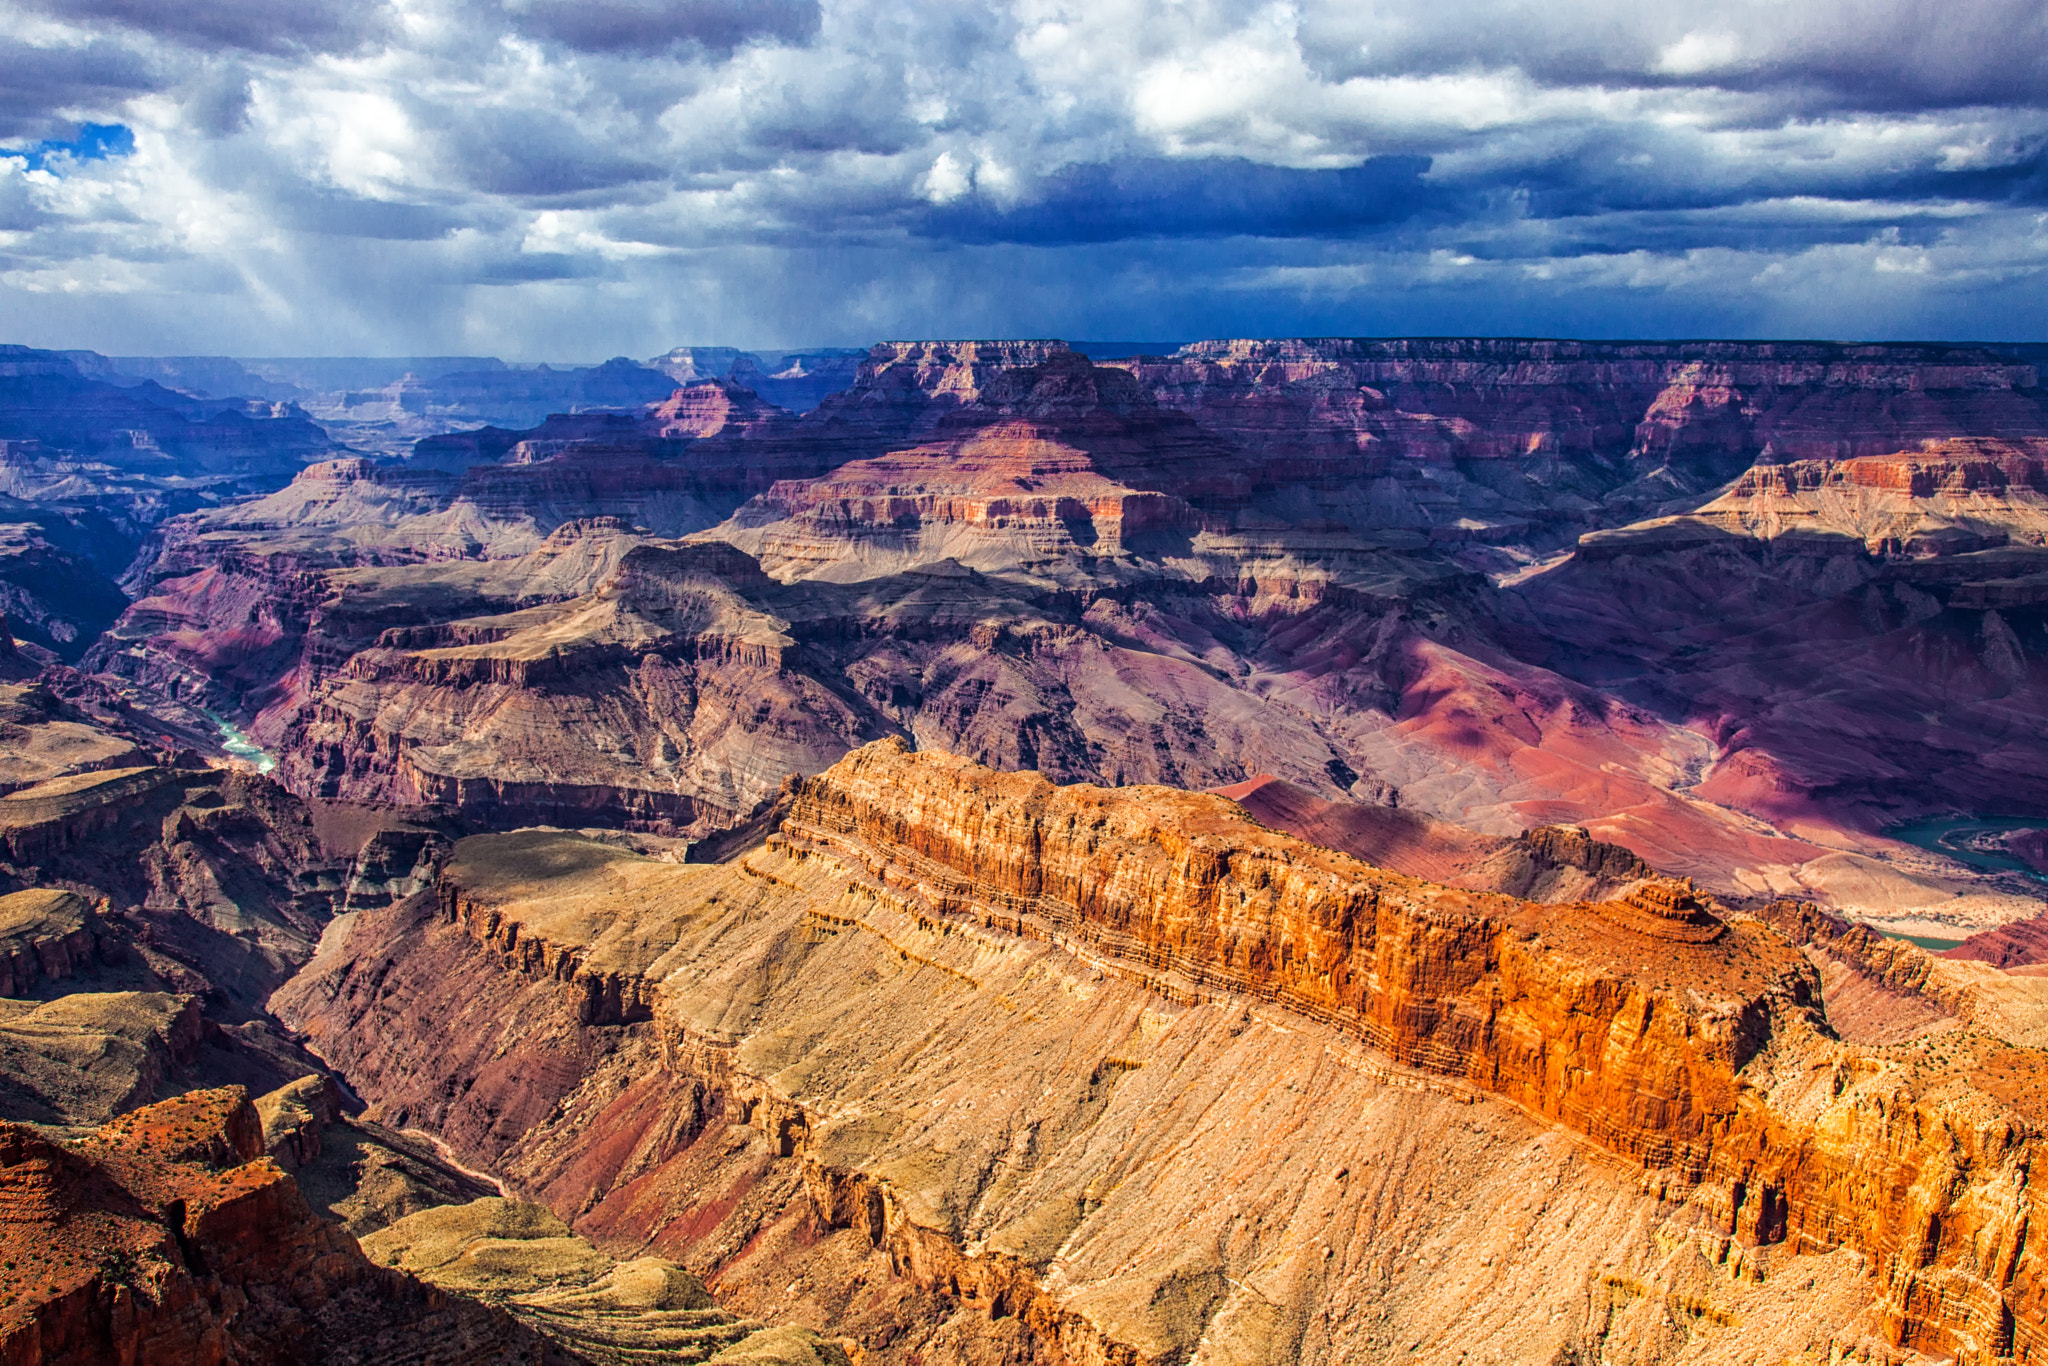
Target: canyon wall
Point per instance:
(963, 1062)
(176, 1239)
(1694, 598)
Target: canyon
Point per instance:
(1386, 572)
(984, 1068)
(1306, 850)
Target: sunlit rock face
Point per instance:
(966, 1063)
(1290, 851)
(1738, 607)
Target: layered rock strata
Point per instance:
(1548, 863)
(1634, 422)
(1001, 1070)
(148, 909)
(610, 1313)
(1358, 566)
(168, 1236)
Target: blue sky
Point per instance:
(579, 178)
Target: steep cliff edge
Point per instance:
(166, 1235)
(967, 1063)
(1419, 566)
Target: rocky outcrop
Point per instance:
(1001, 1070)
(146, 911)
(46, 820)
(1821, 624)
(167, 1236)
(1631, 422)
(1227, 908)
(41, 738)
(1550, 863)
(206, 876)
(666, 697)
(45, 936)
(2023, 943)
(521, 1257)
(1015, 494)
(86, 1056)
(1950, 498)
(1342, 563)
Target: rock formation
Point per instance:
(1334, 562)
(1548, 863)
(167, 1236)
(971, 1065)
(89, 468)
(1508, 997)
(2022, 943)
(521, 1257)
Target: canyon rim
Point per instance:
(627, 736)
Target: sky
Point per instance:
(549, 179)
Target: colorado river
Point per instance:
(240, 746)
(1967, 840)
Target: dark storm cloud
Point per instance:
(41, 82)
(831, 170)
(345, 215)
(1217, 197)
(652, 25)
(274, 26)
(532, 152)
(1864, 54)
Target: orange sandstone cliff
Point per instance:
(167, 1236)
(974, 1067)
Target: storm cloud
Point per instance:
(565, 179)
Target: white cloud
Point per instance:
(1699, 52)
(323, 192)
(947, 180)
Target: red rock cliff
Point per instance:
(1654, 1027)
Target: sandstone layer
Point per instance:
(970, 1065)
(1689, 597)
(167, 1236)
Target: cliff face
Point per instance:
(167, 1236)
(666, 697)
(1006, 1071)
(1451, 574)
(1860, 639)
(1195, 900)
(148, 908)
(1709, 408)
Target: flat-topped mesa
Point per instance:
(961, 359)
(1634, 1037)
(1506, 360)
(1951, 467)
(1938, 500)
(1010, 493)
(46, 935)
(1323, 411)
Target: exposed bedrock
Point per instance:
(968, 1064)
(168, 1236)
(1341, 563)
